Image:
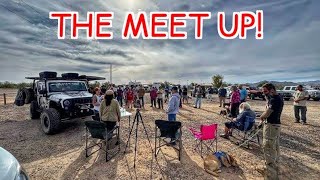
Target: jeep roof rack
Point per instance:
(81, 78)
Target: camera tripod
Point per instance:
(137, 119)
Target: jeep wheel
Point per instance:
(34, 114)
(50, 120)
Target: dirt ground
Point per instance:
(62, 156)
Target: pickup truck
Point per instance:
(285, 95)
(313, 93)
(254, 92)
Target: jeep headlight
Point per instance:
(66, 103)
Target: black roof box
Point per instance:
(47, 75)
(70, 75)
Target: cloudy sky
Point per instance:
(289, 51)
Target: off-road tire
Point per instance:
(34, 114)
(20, 98)
(50, 120)
(29, 95)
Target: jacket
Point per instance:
(111, 112)
(153, 94)
(173, 106)
(141, 92)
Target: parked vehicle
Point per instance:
(285, 95)
(254, 92)
(56, 99)
(314, 94)
(10, 168)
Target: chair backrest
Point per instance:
(168, 128)
(97, 129)
(209, 131)
(248, 123)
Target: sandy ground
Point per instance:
(62, 156)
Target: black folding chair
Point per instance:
(98, 130)
(168, 129)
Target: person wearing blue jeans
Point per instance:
(173, 107)
(198, 94)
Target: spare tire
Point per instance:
(70, 75)
(20, 98)
(29, 94)
(47, 74)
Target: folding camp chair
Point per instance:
(168, 129)
(249, 129)
(98, 130)
(206, 133)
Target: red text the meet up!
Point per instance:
(158, 25)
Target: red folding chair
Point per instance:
(206, 133)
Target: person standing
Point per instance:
(185, 95)
(130, 97)
(141, 93)
(166, 94)
(234, 102)
(153, 97)
(180, 94)
(173, 105)
(125, 95)
(222, 92)
(271, 132)
(300, 104)
(96, 102)
(210, 93)
(160, 98)
(120, 96)
(199, 94)
(243, 94)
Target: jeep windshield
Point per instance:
(67, 86)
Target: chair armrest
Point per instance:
(194, 131)
(111, 131)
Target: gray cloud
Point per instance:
(290, 50)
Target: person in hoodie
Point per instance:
(173, 105)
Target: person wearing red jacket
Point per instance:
(153, 96)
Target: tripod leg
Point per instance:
(135, 144)
(129, 135)
(145, 131)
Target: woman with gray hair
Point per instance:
(245, 112)
(234, 101)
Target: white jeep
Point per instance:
(56, 99)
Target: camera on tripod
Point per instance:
(137, 104)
